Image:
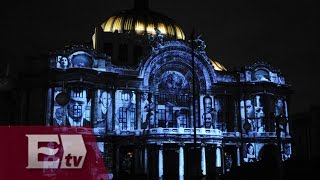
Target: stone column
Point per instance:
(110, 112)
(109, 158)
(160, 162)
(181, 162)
(115, 122)
(286, 114)
(203, 159)
(146, 160)
(117, 160)
(236, 116)
(136, 159)
(192, 117)
(238, 155)
(138, 110)
(223, 164)
(218, 155)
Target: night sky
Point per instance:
(282, 33)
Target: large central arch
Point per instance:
(177, 56)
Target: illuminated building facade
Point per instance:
(145, 89)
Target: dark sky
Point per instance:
(282, 32)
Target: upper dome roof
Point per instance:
(142, 20)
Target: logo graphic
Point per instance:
(74, 151)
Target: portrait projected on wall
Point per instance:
(63, 62)
(261, 75)
(146, 107)
(78, 59)
(218, 105)
(81, 59)
(279, 107)
(248, 76)
(208, 111)
(251, 111)
(103, 112)
(173, 81)
(125, 110)
(281, 112)
(76, 112)
(181, 115)
(286, 151)
(251, 152)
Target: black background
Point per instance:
(283, 33)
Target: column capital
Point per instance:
(181, 144)
(238, 145)
(160, 146)
(219, 145)
(139, 92)
(203, 145)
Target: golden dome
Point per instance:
(217, 66)
(142, 21)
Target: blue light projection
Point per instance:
(178, 54)
(249, 152)
(147, 109)
(103, 112)
(262, 72)
(167, 71)
(125, 110)
(77, 57)
(173, 81)
(159, 99)
(252, 111)
(208, 112)
(286, 151)
(76, 113)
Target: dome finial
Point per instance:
(141, 4)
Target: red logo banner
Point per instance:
(60, 153)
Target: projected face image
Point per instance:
(250, 149)
(261, 75)
(128, 100)
(286, 153)
(125, 110)
(181, 118)
(77, 105)
(279, 103)
(103, 116)
(81, 60)
(246, 109)
(249, 109)
(260, 125)
(64, 62)
(150, 117)
(209, 111)
(76, 108)
(59, 113)
(250, 154)
(173, 81)
(105, 99)
(146, 106)
(279, 107)
(207, 104)
(208, 120)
